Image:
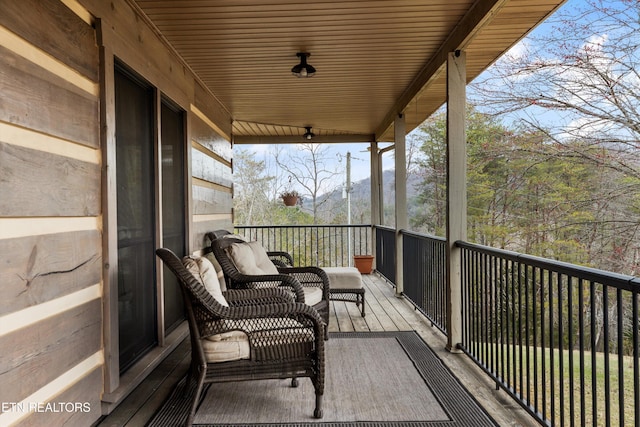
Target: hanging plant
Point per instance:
(290, 198)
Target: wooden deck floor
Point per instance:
(384, 312)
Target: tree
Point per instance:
(432, 169)
(251, 187)
(576, 83)
(310, 168)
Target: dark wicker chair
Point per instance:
(306, 276)
(285, 338)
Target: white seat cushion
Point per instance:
(203, 270)
(343, 277)
(312, 295)
(233, 345)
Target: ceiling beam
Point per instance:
(474, 20)
(298, 139)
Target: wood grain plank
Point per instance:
(56, 30)
(85, 394)
(209, 138)
(333, 317)
(345, 324)
(145, 400)
(45, 350)
(201, 228)
(37, 269)
(34, 98)
(372, 319)
(211, 201)
(35, 183)
(213, 110)
(377, 301)
(392, 305)
(209, 169)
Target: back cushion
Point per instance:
(251, 259)
(262, 259)
(216, 265)
(203, 270)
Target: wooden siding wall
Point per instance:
(50, 239)
(127, 34)
(212, 185)
(56, 284)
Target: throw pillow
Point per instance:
(203, 270)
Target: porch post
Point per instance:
(376, 218)
(401, 197)
(375, 185)
(456, 191)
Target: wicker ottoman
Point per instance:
(345, 284)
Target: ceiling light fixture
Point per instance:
(303, 69)
(308, 134)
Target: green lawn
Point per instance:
(553, 389)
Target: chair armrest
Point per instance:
(281, 258)
(238, 297)
(284, 281)
(309, 276)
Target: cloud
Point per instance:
(517, 52)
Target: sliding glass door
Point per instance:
(136, 217)
(173, 206)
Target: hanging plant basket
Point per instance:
(290, 198)
(364, 263)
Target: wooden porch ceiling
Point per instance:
(374, 58)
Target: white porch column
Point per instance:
(376, 199)
(456, 191)
(402, 220)
(376, 209)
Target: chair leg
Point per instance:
(294, 382)
(317, 413)
(196, 398)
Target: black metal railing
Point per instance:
(321, 245)
(425, 273)
(386, 252)
(560, 339)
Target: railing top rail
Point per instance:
(622, 281)
(385, 227)
(422, 235)
(304, 226)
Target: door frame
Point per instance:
(116, 386)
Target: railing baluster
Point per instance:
(636, 358)
(594, 383)
(581, 331)
(570, 345)
(543, 346)
(534, 300)
(560, 351)
(607, 380)
(620, 310)
(503, 312)
(550, 276)
(517, 330)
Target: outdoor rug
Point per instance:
(372, 379)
